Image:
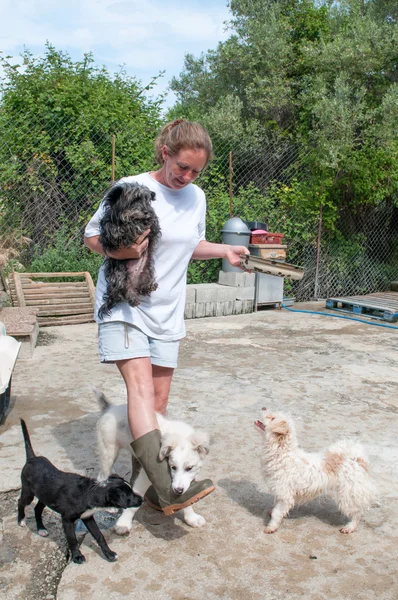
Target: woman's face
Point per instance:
(183, 168)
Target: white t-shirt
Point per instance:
(182, 215)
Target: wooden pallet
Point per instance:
(381, 305)
(59, 302)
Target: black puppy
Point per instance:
(128, 213)
(72, 496)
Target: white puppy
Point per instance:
(295, 476)
(184, 447)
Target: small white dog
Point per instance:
(184, 447)
(295, 476)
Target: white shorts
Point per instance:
(120, 341)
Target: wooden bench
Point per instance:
(61, 298)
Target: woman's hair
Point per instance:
(180, 135)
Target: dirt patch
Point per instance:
(46, 339)
(8, 503)
(45, 562)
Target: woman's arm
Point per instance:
(93, 243)
(205, 250)
(133, 251)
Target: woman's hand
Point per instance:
(233, 254)
(205, 250)
(133, 251)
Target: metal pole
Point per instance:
(113, 157)
(230, 184)
(318, 253)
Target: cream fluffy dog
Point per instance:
(295, 476)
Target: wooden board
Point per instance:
(270, 267)
(269, 251)
(268, 246)
(273, 253)
(58, 302)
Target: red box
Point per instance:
(258, 236)
(273, 238)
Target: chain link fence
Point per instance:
(48, 191)
(360, 256)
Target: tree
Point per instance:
(318, 76)
(57, 120)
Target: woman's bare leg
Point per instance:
(161, 377)
(137, 375)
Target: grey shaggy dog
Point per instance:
(128, 213)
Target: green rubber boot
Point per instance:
(152, 499)
(146, 448)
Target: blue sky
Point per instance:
(146, 36)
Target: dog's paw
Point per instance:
(194, 520)
(111, 556)
(347, 529)
(112, 510)
(270, 529)
(42, 532)
(122, 529)
(22, 523)
(124, 524)
(79, 558)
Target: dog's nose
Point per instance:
(178, 491)
(135, 501)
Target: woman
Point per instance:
(143, 341)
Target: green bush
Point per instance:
(65, 253)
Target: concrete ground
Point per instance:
(338, 378)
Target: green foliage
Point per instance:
(65, 253)
(349, 261)
(320, 74)
(57, 121)
(203, 271)
(316, 78)
(304, 92)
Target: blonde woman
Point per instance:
(143, 341)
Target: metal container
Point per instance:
(268, 288)
(235, 233)
(256, 225)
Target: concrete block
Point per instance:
(210, 309)
(228, 307)
(191, 294)
(250, 279)
(212, 292)
(21, 324)
(189, 312)
(231, 279)
(213, 300)
(206, 292)
(28, 343)
(220, 309)
(238, 305)
(200, 310)
(247, 306)
(245, 293)
(226, 293)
